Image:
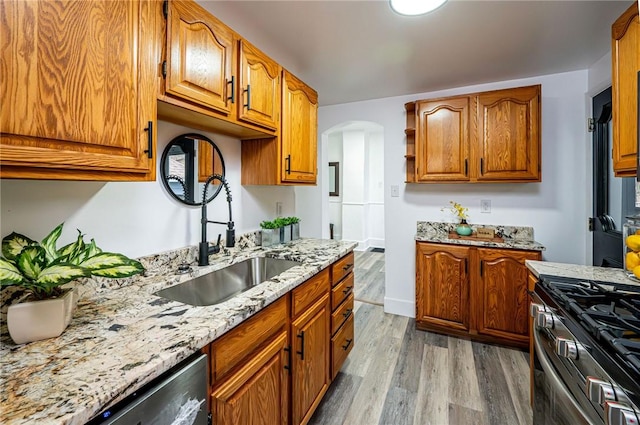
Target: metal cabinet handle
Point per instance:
(349, 341)
(347, 313)
(348, 266)
(149, 130)
(288, 167)
(481, 165)
(232, 98)
(347, 290)
(288, 365)
(466, 167)
(248, 92)
(301, 352)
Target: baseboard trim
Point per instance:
(399, 307)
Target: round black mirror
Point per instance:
(187, 162)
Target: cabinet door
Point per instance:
(78, 93)
(501, 303)
(259, 90)
(442, 286)
(200, 57)
(310, 359)
(299, 131)
(507, 138)
(625, 48)
(257, 394)
(442, 140)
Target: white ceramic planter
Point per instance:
(36, 320)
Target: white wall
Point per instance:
(136, 218)
(556, 208)
(375, 222)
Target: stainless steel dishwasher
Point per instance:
(178, 398)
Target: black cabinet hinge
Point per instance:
(165, 9)
(164, 69)
(592, 224)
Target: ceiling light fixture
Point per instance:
(415, 7)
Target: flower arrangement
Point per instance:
(458, 210)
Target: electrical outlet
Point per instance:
(278, 209)
(485, 206)
(395, 190)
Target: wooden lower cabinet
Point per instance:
(258, 392)
(310, 360)
(442, 295)
(480, 293)
(502, 293)
(275, 367)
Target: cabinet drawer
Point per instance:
(230, 348)
(341, 268)
(341, 345)
(341, 291)
(304, 295)
(341, 314)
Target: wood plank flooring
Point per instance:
(397, 375)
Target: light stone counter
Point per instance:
(602, 274)
(515, 237)
(122, 336)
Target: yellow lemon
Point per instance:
(633, 242)
(632, 260)
(636, 271)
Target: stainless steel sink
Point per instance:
(220, 285)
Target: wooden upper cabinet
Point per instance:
(442, 144)
(442, 286)
(625, 56)
(299, 131)
(480, 137)
(508, 134)
(200, 57)
(501, 299)
(259, 88)
(78, 90)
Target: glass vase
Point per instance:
(463, 229)
(631, 246)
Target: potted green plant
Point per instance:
(285, 229)
(294, 222)
(41, 270)
(270, 233)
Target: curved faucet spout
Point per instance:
(204, 249)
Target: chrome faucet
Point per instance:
(204, 249)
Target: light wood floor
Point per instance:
(397, 375)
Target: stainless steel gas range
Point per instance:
(587, 352)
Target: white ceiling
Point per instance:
(357, 50)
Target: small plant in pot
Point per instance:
(285, 229)
(270, 233)
(41, 270)
(294, 223)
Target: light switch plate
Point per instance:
(485, 206)
(395, 190)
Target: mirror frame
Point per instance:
(178, 140)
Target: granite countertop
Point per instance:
(515, 237)
(122, 336)
(603, 274)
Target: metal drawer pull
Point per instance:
(349, 341)
(347, 313)
(347, 267)
(347, 290)
(248, 92)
